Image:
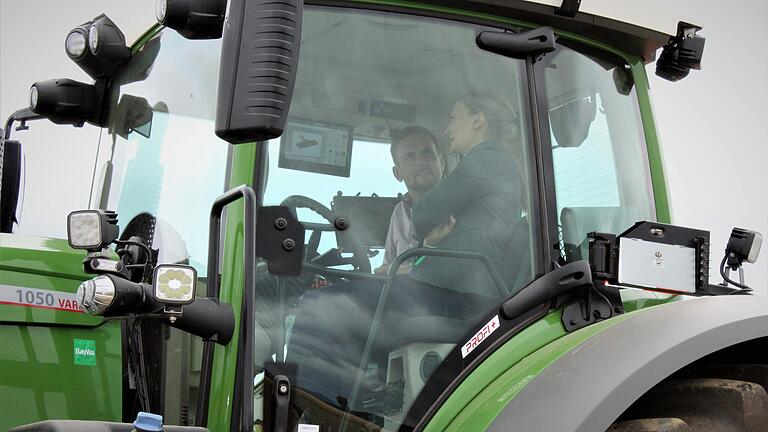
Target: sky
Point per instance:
(713, 124)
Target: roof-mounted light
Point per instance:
(193, 19)
(98, 47)
(65, 101)
(161, 8)
(681, 54)
(75, 44)
(34, 94)
(93, 38)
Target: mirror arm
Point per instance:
(21, 116)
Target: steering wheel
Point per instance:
(359, 258)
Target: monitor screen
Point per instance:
(319, 147)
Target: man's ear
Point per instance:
(396, 173)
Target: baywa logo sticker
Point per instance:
(85, 352)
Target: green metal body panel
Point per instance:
(660, 196)
(145, 37)
(533, 338)
(40, 376)
(484, 408)
(487, 390)
(232, 283)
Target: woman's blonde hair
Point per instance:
(503, 127)
(502, 120)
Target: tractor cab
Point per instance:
(370, 332)
(429, 163)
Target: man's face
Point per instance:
(417, 163)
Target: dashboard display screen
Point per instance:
(319, 147)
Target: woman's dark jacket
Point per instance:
(483, 194)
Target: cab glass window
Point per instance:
(601, 167)
(160, 167)
(402, 126)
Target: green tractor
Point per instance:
(239, 270)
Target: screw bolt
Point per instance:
(341, 223)
(283, 389)
(572, 322)
(289, 245)
(281, 224)
(618, 309)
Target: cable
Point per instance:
(610, 305)
(744, 288)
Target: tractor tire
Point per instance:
(651, 425)
(729, 398)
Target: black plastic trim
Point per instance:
(245, 354)
(544, 166)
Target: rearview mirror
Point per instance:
(134, 114)
(571, 121)
(11, 182)
(259, 56)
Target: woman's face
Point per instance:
(464, 129)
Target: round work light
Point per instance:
(93, 38)
(75, 44)
(33, 94)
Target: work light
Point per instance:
(681, 54)
(93, 38)
(75, 43)
(92, 230)
(65, 101)
(174, 284)
(95, 295)
(193, 19)
(110, 295)
(33, 95)
(98, 47)
(161, 8)
(744, 244)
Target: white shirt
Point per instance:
(400, 236)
